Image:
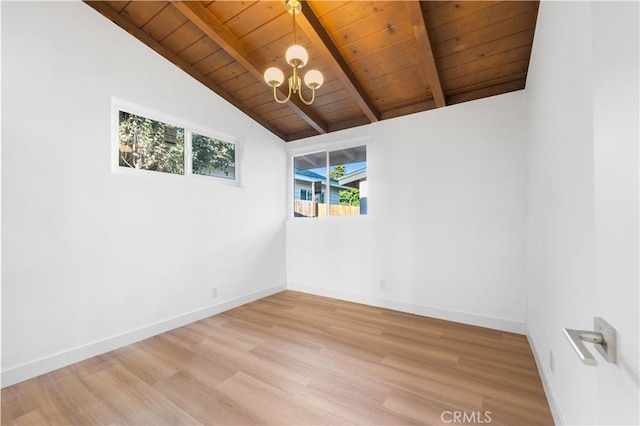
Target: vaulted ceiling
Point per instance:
(380, 59)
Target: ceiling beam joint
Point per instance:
(425, 50)
(311, 26)
(111, 14)
(209, 24)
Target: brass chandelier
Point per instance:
(297, 57)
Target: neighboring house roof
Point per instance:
(353, 176)
(308, 173)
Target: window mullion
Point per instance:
(327, 200)
(188, 163)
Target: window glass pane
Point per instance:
(348, 177)
(150, 145)
(309, 185)
(213, 157)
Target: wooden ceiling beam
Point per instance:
(111, 14)
(310, 24)
(425, 50)
(486, 92)
(409, 109)
(301, 135)
(209, 24)
(348, 123)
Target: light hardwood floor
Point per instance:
(294, 358)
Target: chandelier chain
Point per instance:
(293, 13)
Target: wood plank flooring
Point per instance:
(293, 359)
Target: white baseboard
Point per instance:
(423, 310)
(62, 359)
(548, 391)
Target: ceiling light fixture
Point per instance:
(297, 57)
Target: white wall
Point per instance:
(582, 203)
(91, 259)
(616, 113)
(445, 227)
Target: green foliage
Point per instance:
(152, 145)
(211, 155)
(350, 197)
(143, 145)
(337, 172)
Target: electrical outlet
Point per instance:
(383, 285)
(552, 362)
(214, 292)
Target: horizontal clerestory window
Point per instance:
(151, 142)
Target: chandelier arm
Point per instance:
(297, 57)
(275, 95)
(313, 96)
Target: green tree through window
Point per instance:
(348, 197)
(150, 145)
(213, 157)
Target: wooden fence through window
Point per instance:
(310, 209)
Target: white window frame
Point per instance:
(118, 105)
(327, 148)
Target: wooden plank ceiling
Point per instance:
(380, 59)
